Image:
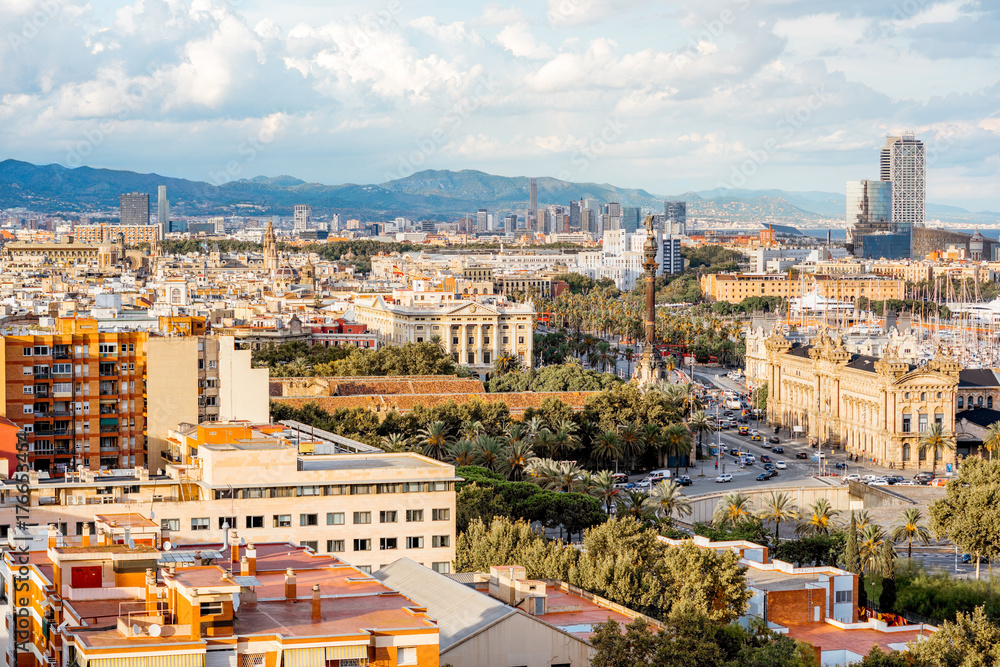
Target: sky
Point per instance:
(663, 95)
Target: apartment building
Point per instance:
(116, 600)
(77, 393)
(475, 333)
(106, 233)
(197, 379)
(369, 508)
(734, 287)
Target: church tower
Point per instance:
(270, 249)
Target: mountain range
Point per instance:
(434, 194)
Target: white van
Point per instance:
(658, 476)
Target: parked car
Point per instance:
(923, 477)
(763, 477)
(907, 482)
(778, 450)
(724, 478)
(642, 484)
(939, 481)
(801, 455)
(868, 479)
(773, 440)
(879, 481)
(854, 477)
(967, 558)
(780, 465)
(684, 480)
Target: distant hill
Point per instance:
(438, 194)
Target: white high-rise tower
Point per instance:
(903, 164)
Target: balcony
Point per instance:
(108, 388)
(108, 410)
(110, 428)
(42, 375)
(61, 354)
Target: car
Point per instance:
(907, 482)
(772, 473)
(938, 481)
(728, 413)
(733, 423)
(923, 477)
(768, 466)
(749, 459)
(853, 477)
(765, 444)
(778, 450)
(780, 465)
(763, 477)
(879, 481)
(744, 430)
(773, 440)
(642, 484)
(620, 477)
(724, 478)
(684, 480)
(755, 438)
(968, 558)
(765, 459)
(801, 455)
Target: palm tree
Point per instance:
(700, 424)
(628, 355)
(489, 452)
(911, 529)
(471, 429)
(555, 475)
(434, 437)
(733, 508)
(631, 442)
(607, 446)
(603, 487)
(298, 367)
(863, 519)
(634, 503)
(517, 432)
(677, 443)
(515, 459)
(817, 519)
(778, 507)
(669, 365)
(870, 548)
(395, 442)
(652, 438)
(992, 440)
(506, 363)
(545, 444)
(936, 441)
(666, 498)
(565, 436)
(462, 453)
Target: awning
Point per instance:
(304, 657)
(180, 660)
(347, 652)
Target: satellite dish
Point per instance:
(131, 543)
(135, 630)
(236, 601)
(243, 541)
(167, 546)
(154, 630)
(152, 515)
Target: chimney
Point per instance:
(234, 541)
(316, 603)
(86, 534)
(252, 559)
(150, 591)
(195, 615)
(290, 585)
(53, 535)
(245, 566)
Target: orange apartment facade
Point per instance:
(105, 233)
(77, 394)
(734, 287)
(115, 600)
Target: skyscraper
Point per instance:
(533, 196)
(481, 220)
(134, 208)
(302, 217)
(675, 216)
(630, 219)
(575, 221)
(902, 163)
(163, 209)
(870, 230)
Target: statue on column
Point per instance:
(650, 369)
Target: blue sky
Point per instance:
(667, 96)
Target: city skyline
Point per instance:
(667, 98)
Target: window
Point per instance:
(27, 390)
(442, 568)
(906, 395)
(439, 541)
(362, 517)
(961, 402)
(989, 402)
(170, 524)
(27, 370)
(520, 340)
(921, 423)
(310, 491)
(106, 348)
(414, 543)
(255, 522)
(360, 489)
(308, 519)
(387, 543)
(25, 351)
(923, 396)
(939, 418)
(406, 655)
(906, 423)
(225, 521)
(438, 486)
(387, 516)
(200, 523)
(411, 487)
(414, 515)
(939, 394)
(441, 514)
(310, 544)
(362, 545)
(282, 521)
(210, 401)
(906, 451)
(41, 350)
(62, 369)
(367, 569)
(335, 518)
(843, 596)
(211, 608)
(335, 546)
(29, 409)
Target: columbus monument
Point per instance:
(650, 369)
